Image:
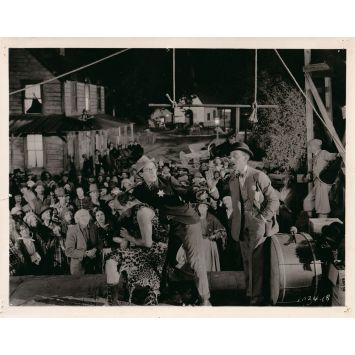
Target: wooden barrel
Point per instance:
(294, 270)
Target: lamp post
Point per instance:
(216, 122)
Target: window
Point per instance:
(35, 151)
(99, 107)
(214, 113)
(87, 97)
(33, 99)
(74, 96)
(209, 116)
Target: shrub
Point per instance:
(281, 132)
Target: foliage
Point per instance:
(281, 132)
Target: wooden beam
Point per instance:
(325, 116)
(213, 105)
(309, 68)
(328, 96)
(309, 116)
(237, 119)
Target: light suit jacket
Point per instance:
(76, 246)
(260, 195)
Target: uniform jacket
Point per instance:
(259, 197)
(164, 197)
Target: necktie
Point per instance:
(242, 208)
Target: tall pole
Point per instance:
(309, 116)
(174, 94)
(328, 96)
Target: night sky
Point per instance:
(142, 76)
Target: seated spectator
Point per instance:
(81, 245)
(81, 201)
(30, 250)
(94, 199)
(28, 195)
(18, 202)
(58, 263)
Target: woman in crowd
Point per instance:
(104, 233)
(142, 262)
(81, 201)
(17, 203)
(30, 249)
(56, 252)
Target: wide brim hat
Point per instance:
(44, 209)
(315, 143)
(142, 162)
(242, 147)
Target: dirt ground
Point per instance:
(169, 147)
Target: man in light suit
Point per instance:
(318, 198)
(255, 203)
(81, 245)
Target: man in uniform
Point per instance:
(184, 220)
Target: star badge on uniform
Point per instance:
(161, 193)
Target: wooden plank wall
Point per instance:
(52, 98)
(25, 67)
(93, 98)
(81, 97)
(53, 154)
(17, 153)
(102, 99)
(67, 99)
(69, 111)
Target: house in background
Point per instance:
(207, 115)
(59, 121)
(226, 117)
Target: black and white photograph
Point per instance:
(181, 176)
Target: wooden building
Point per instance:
(59, 121)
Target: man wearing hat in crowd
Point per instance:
(68, 185)
(184, 220)
(255, 203)
(62, 206)
(28, 195)
(40, 199)
(318, 198)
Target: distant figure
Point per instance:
(318, 198)
(87, 169)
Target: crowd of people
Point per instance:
(139, 217)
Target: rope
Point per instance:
(253, 118)
(72, 71)
(330, 130)
(256, 82)
(174, 98)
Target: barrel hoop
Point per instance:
(280, 255)
(307, 237)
